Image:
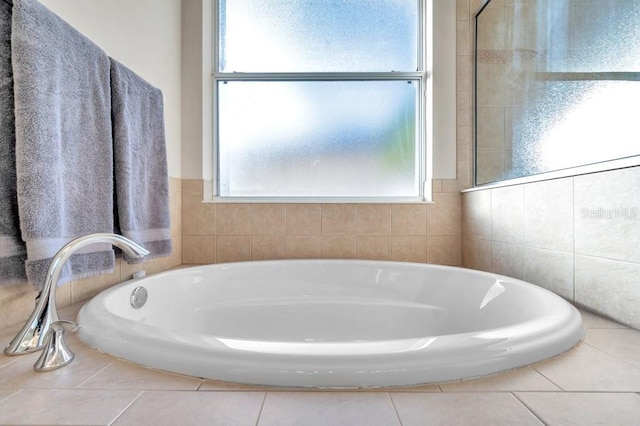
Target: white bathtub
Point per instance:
(330, 323)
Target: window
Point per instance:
(320, 98)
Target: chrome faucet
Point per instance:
(43, 326)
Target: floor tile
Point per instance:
(65, 407)
(6, 393)
(520, 379)
(218, 385)
(450, 409)
(171, 408)
(584, 409)
(328, 408)
(586, 368)
(21, 375)
(126, 375)
(622, 343)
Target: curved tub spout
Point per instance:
(32, 336)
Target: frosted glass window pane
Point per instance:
(317, 138)
(318, 35)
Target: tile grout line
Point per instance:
(124, 410)
(264, 398)
(395, 409)
(529, 409)
(78, 386)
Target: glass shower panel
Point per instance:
(318, 35)
(557, 85)
(318, 138)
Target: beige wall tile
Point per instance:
(198, 249)
(464, 141)
(444, 250)
(408, 219)
(304, 219)
(373, 247)
(233, 248)
(444, 217)
(339, 247)
(198, 218)
(302, 247)
(268, 247)
(233, 219)
(17, 301)
(338, 219)
(268, 219)
(373, 219)
(462, 10)
(409, 249)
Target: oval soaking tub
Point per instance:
(330, 323)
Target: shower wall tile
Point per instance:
(549, 269)
(607, 214)
(609, 287)
(476, 214)
(476, 254)
(548, 217)
(491, 166)
(508, 259)
(491, 128)
(581, 238)
(507, 214)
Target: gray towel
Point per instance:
(140, 167)
(12, 248)
(64, 154)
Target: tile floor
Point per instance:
(595, 383)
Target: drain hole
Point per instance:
(138, 297)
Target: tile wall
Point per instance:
(229, 232)
(577, 236)
(17, 300)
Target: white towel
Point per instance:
(64, 154)
(141, 176)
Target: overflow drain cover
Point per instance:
(138, 297)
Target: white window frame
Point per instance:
(423, 139)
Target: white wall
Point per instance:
(145, 35)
